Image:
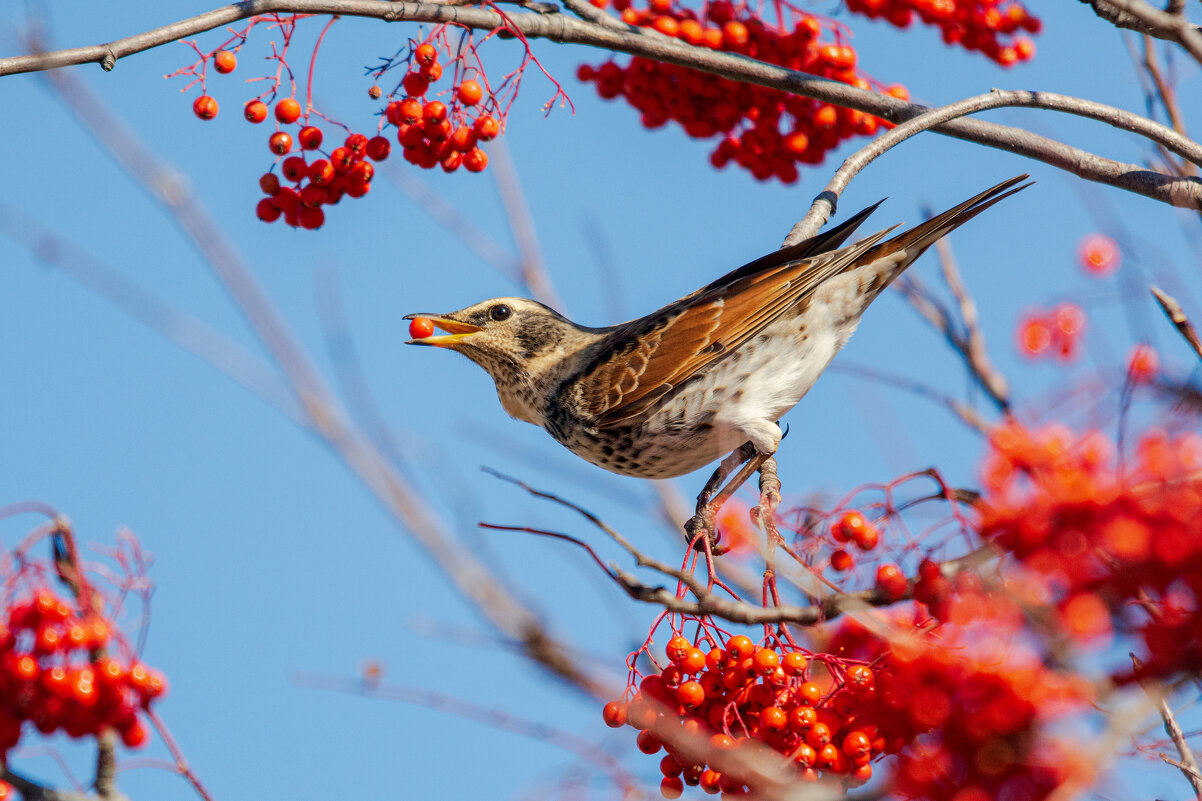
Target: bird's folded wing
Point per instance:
(645, 359)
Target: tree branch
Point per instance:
(1178, 318)
(1145, 18)
(1178, 191)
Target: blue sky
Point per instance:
(271, 560)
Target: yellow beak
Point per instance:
(456, 331)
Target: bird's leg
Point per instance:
(703, 516)
(707, 509)
(769, 487)
(725, 468)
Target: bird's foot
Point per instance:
(700, 529)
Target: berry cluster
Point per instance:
(1099, 254)
(1108, 538)
(433, 133)
(982, 25)
(967, 724)
(765, 131)
(714, 708)
(852, 527)
(1057, 332)
(52, 674)
(345, 171)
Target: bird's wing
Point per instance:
(645, 359)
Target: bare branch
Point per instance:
(1178, 318)
(326, 415)
(1146, 18)
(1178, 191)
(1188, 764)
(943, 118)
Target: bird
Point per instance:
(706, 377)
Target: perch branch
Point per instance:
(1179, 191)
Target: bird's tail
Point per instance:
(915, 241)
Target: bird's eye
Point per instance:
(500, 312)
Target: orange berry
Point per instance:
(224, 61)
(1142, 363)
(1099, 254)
(614, 712)
(204, 107)
(420, 328)
(470, 93)
(255, 111)
(287, 110)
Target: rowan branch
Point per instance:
(1178, 191)
(939, 119)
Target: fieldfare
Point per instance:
(706, 376)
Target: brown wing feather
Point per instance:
(646, 358)
(649, 357)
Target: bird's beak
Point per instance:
(456, 331)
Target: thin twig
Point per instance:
(1178, 191)
(1188, 764)
(587, 750)
(962, 411)
(1178, 318)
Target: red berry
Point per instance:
(671, 787)
(452, 162)
(375, 92)
(463, 139)
(431, 72)
(434, 111)
(280, 143)
(647, 742)
(361, 173)
(313, 196)
(425, 54)
(486, 128)
(470, 93)
(690, 695)
(773, 718)
(267, 211)
(309, 137)
(475, 160)
(287, 110)
(420, 328)
(890, 581)
(1142, 363)
(224, 61)
(415, 85)
(204, 107)
(134, 736)
(269, 183)
(378, 148)
(1099, 254)
(614, 712)
(342, 159)
(294, 168)
(841, 560)
(321, 172)
(255, 111)
(410, 110)
(312, 218)
(357, 144)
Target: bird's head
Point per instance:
(516, 340)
